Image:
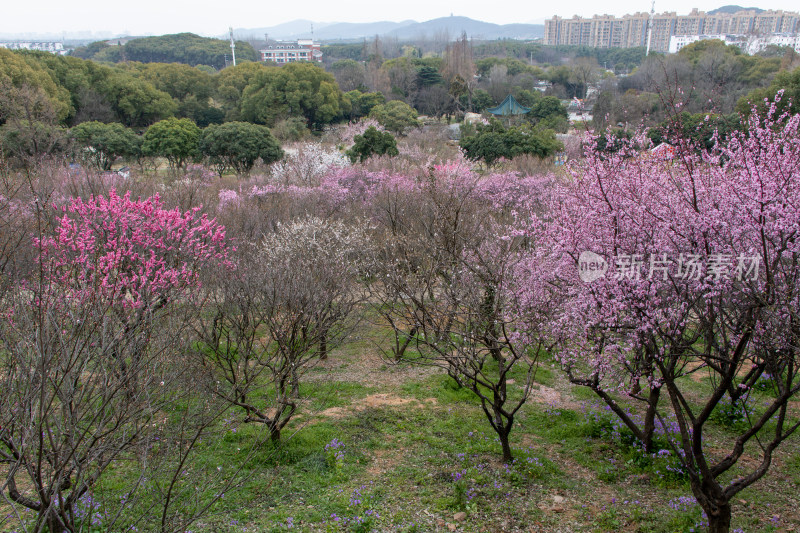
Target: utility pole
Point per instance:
(650, 27)
(233, 46)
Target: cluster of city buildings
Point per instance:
(54, 47)
(607, 31)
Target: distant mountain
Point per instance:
(734, 9)
(301, 29)
(294, 29)
(408, 29)
(351, 30)
(455, 26)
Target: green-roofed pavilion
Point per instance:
(509, 107)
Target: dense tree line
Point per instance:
(110, 106)
(186, 48)
(44, 94)
(442, 83)
(624, 87)
(233, 146)
(704, 77)
(619, 59)
(450, 83)
(138, 94)
(786, 82)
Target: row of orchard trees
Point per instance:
(482, 275)
(128, 326)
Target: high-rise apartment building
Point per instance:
(606, 31)
(691, 24)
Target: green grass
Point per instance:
(441, 387)
(406, 466)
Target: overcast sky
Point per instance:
(140, 17)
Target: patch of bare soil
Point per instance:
(384, 461)
(369, 367)
(374, 401)
(553, 397)
(558, 504)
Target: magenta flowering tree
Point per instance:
(133, 253)
(667, 269)
(91, 361)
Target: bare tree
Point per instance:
(470, 329)
(447, 289)
(499, 83)
(290, 300)
(458, 69)
(350, 74)
(584, 72)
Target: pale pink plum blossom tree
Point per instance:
(666, 269)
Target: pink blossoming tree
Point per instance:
(668, 270)
(91, 360)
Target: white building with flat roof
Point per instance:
(750, 44)
(290, 51)
(792, 40)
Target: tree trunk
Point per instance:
(400, 348)
(719, 519)
(274, 434)
(54, 522)
(503, 431)
(507, 457)
(323, 345)
(714, 503)
(650, 419)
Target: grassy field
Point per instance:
(417, 454)
(409, 451)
